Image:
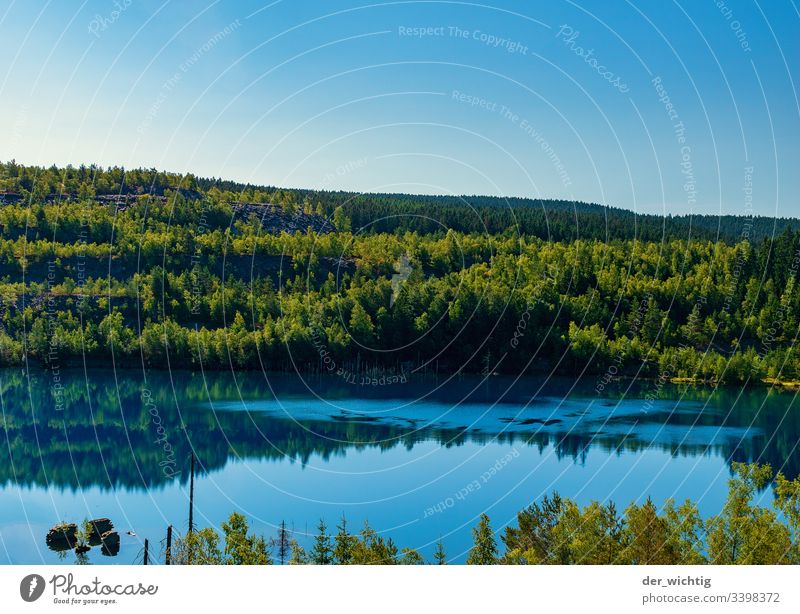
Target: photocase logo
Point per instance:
(31, 587)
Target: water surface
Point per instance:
(419, 460)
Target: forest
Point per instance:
(554, 531)
(147, 267)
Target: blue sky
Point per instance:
(544, 99)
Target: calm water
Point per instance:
(419, 460)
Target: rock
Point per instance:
(110, 541)
(98, 526)
(62, 537)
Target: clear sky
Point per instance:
(656, 106)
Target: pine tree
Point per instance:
(322, 553)
(298, 556)
(484, 551)
(282, 543)
(648, 536)
(344, 544)
(439, 554)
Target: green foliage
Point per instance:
(439, 555)
(240, 548)
(344, 544)
(372, 549)
(409, 556)
(648, 537)
(557, 531)
(533, 540)
(198, 548)
(322, 552)
(787, 501)
(484, 549)
(188, 275)
(686, 532)
(299, 555)
(745, 533)
(593, 535)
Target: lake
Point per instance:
(418, 459)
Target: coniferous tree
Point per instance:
(648, 542)
(439, 555)
(484, 549)
(282, 543)
(344, 543)
(322, 552)
(532, 540)
(298, 554)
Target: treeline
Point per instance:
(556, 531)
(35, 183)
(552, 220)
(548, 219)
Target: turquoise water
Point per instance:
(419, 460)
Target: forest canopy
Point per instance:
(150, 265)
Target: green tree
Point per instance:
(484, 549)
(322, 552)
(648, 541)
(298, 554)
(344, 542)
(373, 549)
(533, 541)
(787, 501)
(198, 548)
(686, 532)
(340, 220)
(744, 533)
(409, 556)
(242, 548)
(439, 555)
(361, 326)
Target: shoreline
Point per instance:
(385, 378)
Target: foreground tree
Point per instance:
(242, 548)
(744, 533)
(533, 541)
(282, 543)
(298, 554)
(322, 552)
(648, 541)
(484, 550)
(558, 531)
(344, 544)
(373, 549)
(439, 555)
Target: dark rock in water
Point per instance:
(98, 526)
(110, 541)
(62, 537)
(110, 537)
